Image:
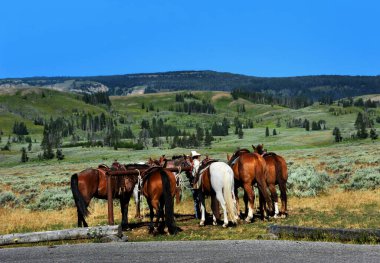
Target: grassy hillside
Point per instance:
(28, 104)
(25, 105)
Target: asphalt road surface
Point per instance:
(197, 251)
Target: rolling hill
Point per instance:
(313, 87)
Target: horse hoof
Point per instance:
(225, 225)
(202, 223)
(248, 220)
(214, 223)
(284, 216)
(276, 216)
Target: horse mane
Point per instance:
(239, 152)
(269, 154)
(103, 166)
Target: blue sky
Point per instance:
(259, 38)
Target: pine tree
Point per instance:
(208, 138)
(274, 132)
(278, 124)
(360, 125)
(30, 146)
(240, 133)
(59, 154)
(338, 136)
(266, 131)
(47, 143)
(372, 134)
(24, 155)
(306, 125)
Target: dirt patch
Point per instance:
(219, 96)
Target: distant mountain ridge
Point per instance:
(313, 87)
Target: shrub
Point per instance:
(8, 198)
(53, 199)
(305, 181)
(368, 178)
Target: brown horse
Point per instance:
(179, 161)
(159, 189)
(277, 174)
(250, 168)
(92, 183)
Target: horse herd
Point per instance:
(214, 178)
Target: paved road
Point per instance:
(197, 251)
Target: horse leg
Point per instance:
(274, 196)
(262, 185)
(157, 209)
(124, 202)
(245, 198)
(262, 205)
(284, 199)
(219, 196)
(237, 200)
(81, 220)
(151, 216)
(215, 206)
(215, 210)
(161, 226)
(178, 195)
(251, 199)
(203, 208)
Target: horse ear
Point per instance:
(228, 157)
(253, 146)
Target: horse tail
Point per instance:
(168, 199)
(78, 198)
(229, 196)
(263, 186)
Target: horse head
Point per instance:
(259, 149)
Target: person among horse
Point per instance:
(195, 160)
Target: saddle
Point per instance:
(205, 164)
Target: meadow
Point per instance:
(330, 184)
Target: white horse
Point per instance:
(218, 177)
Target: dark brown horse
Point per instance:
(250, 168)
(92, 183)
(277, 175)
(159, 189)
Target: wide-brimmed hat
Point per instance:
(194, 153)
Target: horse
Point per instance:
(159, 189)
(91, 183)
(179, 161)
(216, 179)
(136, 190)
(250, 168)
(277, 175)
